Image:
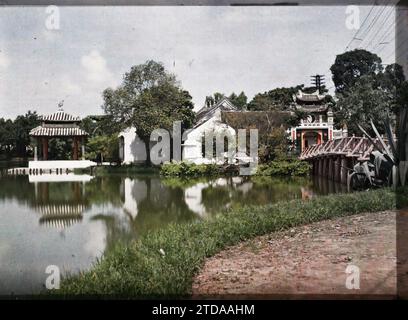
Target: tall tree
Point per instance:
(22, 126)
(149, 98)
(240, 101)
(362, 102)
(6, 136)
(351, 65)
(278, 99)
(213, 99)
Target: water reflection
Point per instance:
(70, 220)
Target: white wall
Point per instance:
(134, 150)
(192, 146)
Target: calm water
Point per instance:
(71, 220)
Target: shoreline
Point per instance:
(164, 262)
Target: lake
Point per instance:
(71, 220)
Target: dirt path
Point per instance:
(309, 259)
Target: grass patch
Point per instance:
(141, 270)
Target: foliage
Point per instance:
(59, 149)
(213, 99)
(240, 101)
(281, 99)
(365, 91)
(186, 169)
(14, 135)
(99, 125)
(363, 102)
(272, 137)
(103, 148)
(7, 139)
(291, 167)
(351, 65)
(164, 262)
(149, 98)
(275, 99)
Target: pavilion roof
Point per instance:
(314, 97)
(41, 131)
(60, 116)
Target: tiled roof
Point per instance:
(309, 97)
(57, 132)
(60, 116)
(206, 113)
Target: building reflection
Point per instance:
(60, 200)
(133, 205)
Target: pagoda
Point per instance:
(317, 126)
(64, 126)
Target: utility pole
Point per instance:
(318, 81)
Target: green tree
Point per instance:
(22, 126)
(362, 102)
(149, 98)
(103, 148)
(6, 136)
(351, 65)
(214, 99)
(239, 101)
(278, 99)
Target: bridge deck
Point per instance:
(335, 158)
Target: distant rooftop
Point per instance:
(302, 97)
(60, 116)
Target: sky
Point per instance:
(210, 49)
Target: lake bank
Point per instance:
(164, 262)
(308, 260)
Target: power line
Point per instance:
(400, 32)
(373, 22)
(380, 28)
(365, 20)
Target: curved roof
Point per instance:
(309, 97)
(60, 116)
(41, 131)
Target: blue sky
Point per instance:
(225, 49)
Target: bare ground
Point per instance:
(310, 259)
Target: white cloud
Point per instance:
(4, 60)
(96, 69)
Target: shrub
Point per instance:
(284, 168)
(187, 169)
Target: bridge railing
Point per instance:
(354, 147)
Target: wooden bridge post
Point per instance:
(343, 170)
(320, 172)
(325, 166)
(337, 168)
(330, 170)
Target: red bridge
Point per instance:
(333, 159)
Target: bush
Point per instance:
(164, 262)
(187, 169)
(284, 168)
